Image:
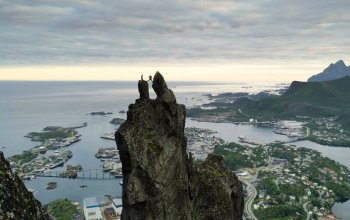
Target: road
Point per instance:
(307, 132)
(251, 196)
(306, 210)
(240, 111)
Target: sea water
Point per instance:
(30, 106)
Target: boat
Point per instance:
(75, 203)
(106, 169)
(56, 152)
(118, 174)
(31, 190)
(42, 150)
(54, 165)
(121, 183)
(75, 140)
(26, 177)
(242, 137)
(69, 174)
(69, 154)
(108, 136)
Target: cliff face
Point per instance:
(159, 180)
(16, 202)
(217, 192)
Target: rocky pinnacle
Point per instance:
(159, 181)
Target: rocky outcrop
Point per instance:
(160, 182)
(333, 71)
(217, 192)
(16, 202)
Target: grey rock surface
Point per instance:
(160, 181)
(16, 202)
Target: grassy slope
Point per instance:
(328, 98)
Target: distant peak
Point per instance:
(340, 63)
(334, 71)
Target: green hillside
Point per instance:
(315, 99)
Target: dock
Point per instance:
(108, 136)
(246, 141)
(78, 126)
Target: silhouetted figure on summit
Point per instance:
(143, 88)
(150, 78)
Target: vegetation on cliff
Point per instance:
(63, 209)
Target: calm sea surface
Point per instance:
(31, 106)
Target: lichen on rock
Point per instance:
(217, 191)
(16, 202)
(159, 180)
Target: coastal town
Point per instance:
(282, 180)
(278, 178)
(201, 142)
(327, 131)
(37, 160)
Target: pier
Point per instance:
(96, 174)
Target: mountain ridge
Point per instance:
(314, 99)
(333, 71)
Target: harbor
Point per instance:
(28, 170)
(114, 167)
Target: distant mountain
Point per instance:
(334, 71)
(315, 99)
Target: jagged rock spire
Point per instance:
(143, 89)
(159, 182)
(161, 89)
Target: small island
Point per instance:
(28, 165)
(102, 113)
(63, 209)
(54, 137)
(51, 185)
(117, 121)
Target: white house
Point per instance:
(92, 209)
(117, 206)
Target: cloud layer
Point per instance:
(69, 32)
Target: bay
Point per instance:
(31, 106)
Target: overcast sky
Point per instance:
(284, 38)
